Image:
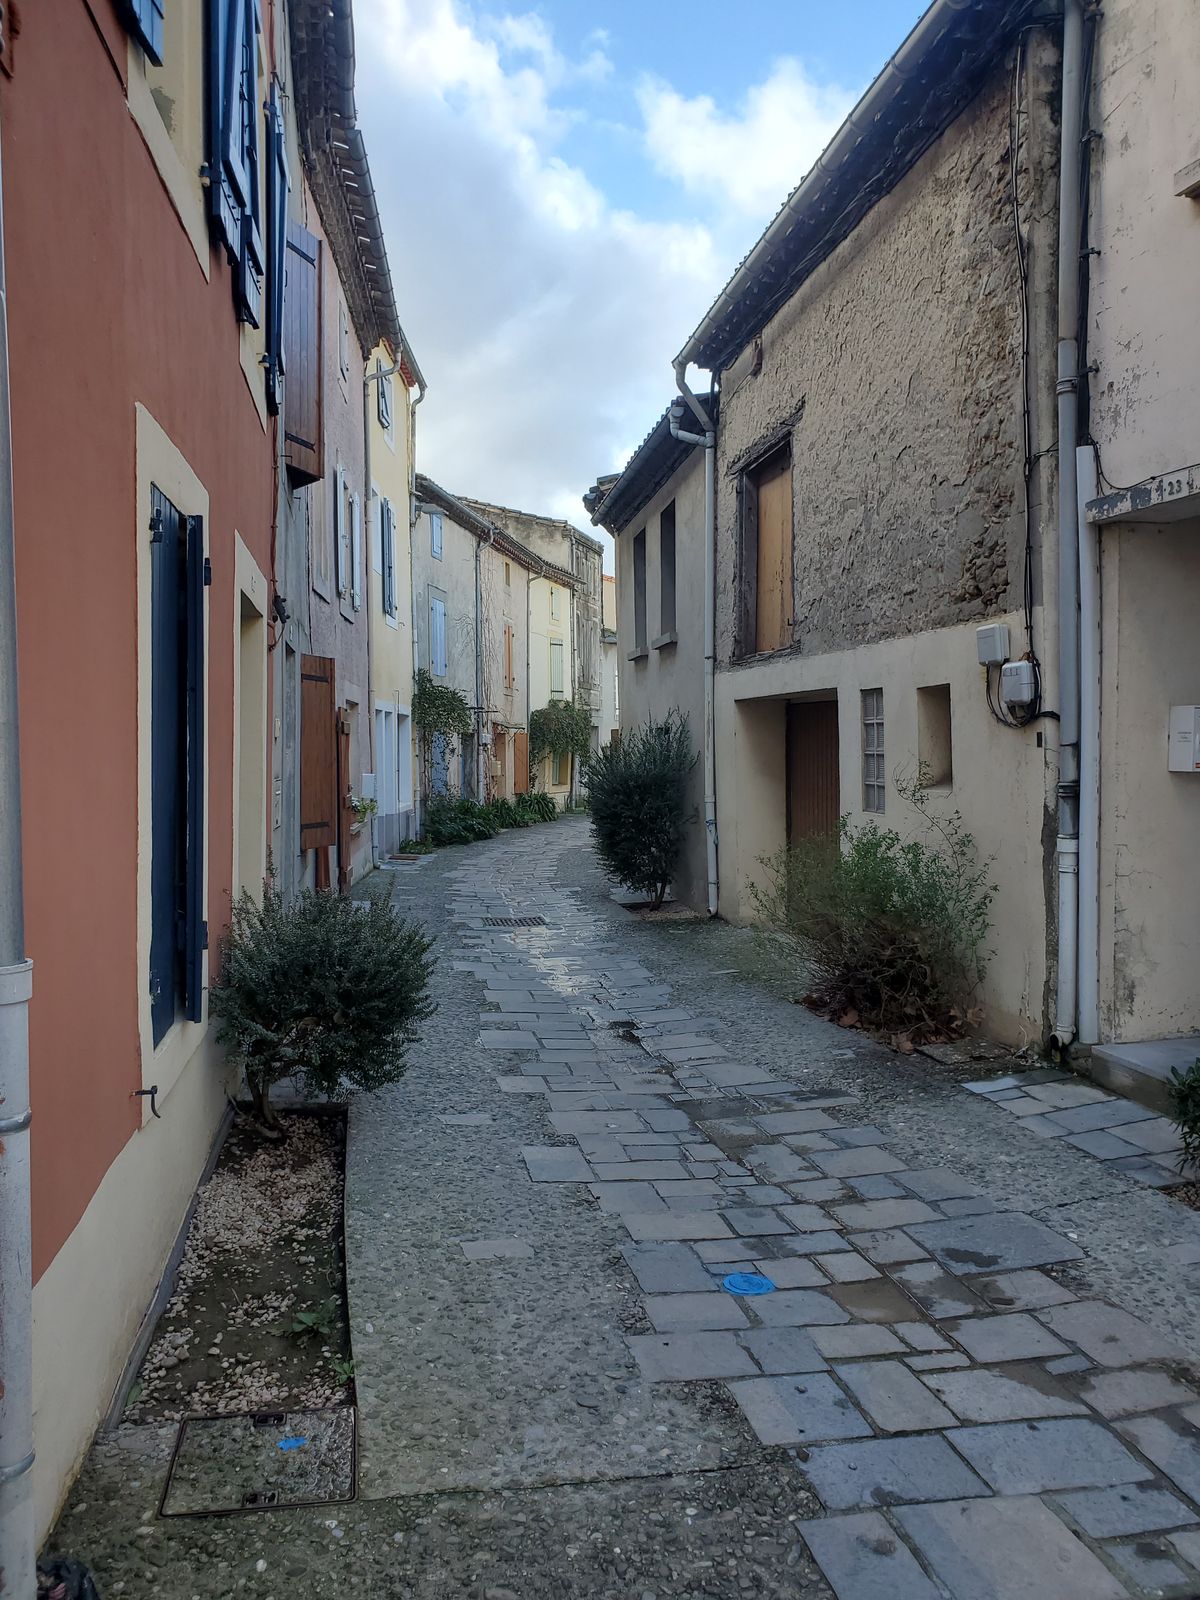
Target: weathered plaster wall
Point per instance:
(672, 676)
(453, 578)
(1144, 330)
(895, 369)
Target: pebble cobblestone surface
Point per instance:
(976, 1375)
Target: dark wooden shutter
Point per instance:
(318, 753)
(145, 19)
(195, 929)
(345, 813)
(747, 564)
(303, 434)
(249, 276)
(167, 758)
(277, 198)
(813, 771)
(388, 535)
(520, 762)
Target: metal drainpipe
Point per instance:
(1067, 389)
(479, 784)
(413, 518)
(709, 440)
(17, 1564)
(368, 379)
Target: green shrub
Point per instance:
(560, 729)
(504, 814)
(325, 988)
(536, 807)
(891, 932)
(637, 790)
(1185, 1099)
(455, 819)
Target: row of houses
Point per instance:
(936, 517)
(227, 577)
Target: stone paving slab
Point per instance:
(1112, 1337)
(890, 1472)
(1125, 1509)
(1003, 1394)
(864, 1559)
(1030, 1457)
(1172, 1443)
(801, 1410)
(997, 1243)
(1015, 1337)
(678, 1357)
(687, 1313)
(894, 1398)
(1006, 1550)
(555, 1164)
(667, 1268)
(783, 1350)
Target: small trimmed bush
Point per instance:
(637, 793)
(325, 988)
(454, 819)
(1185, 1100)
(536, 808)
(889, 932)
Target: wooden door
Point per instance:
(500, 756)
(814, 787)
(774, 571)
(520, 762)
(318, 753)
(345, 812)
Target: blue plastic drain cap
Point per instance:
(747, 1283)
(296, 1442)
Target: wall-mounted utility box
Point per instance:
(1018, 683)
(1183, 739)
(992, 643)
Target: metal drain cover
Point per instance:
(252, 1462)
(514, 922)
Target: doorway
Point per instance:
(813, 780)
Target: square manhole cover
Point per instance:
(252, 1462)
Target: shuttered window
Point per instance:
(145, 20)
(356, 552)
(179, 935)
(435, 535)
(318, 753)
(384, 399)
(387, 554)
(557, 676)
(341, 563)
(277, 198)
(233, 153)
(437, 636)
(303, 433)
(508, 656)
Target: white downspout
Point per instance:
(1067, 389)
(17, 1565)
(480, 789)
(709, 440)
(1088, 1024)
(415, 753)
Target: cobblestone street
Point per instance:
(661, 1286)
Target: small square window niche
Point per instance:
(934, 744)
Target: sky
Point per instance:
(566, 187)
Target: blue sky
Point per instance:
(565, 189)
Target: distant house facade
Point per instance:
(609, 668)
(654, 510)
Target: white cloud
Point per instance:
(753, 158)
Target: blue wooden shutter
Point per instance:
(144, 19)
(195, 929)
(167, 766)
(277, 198)
(232, 167)
(389, 558)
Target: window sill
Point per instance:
(637, 655)
(665, 640)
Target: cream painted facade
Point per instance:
(1144, 336)
(443, 580)
(551, 665)
(505, 584)
(390, 597)
(609, 659)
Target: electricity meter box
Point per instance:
(991, 641)
(1183, 739)
(1018, 683)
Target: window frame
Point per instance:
(437, 599)
(873, 730)
(558, 656)
(437, 535)
(638, 584)
(667, 605)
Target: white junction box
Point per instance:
(1018, 683)
(1183, 739)
(991, 641)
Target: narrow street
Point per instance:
(970, 1380)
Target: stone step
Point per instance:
(1142, 1071)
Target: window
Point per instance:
(387, 557)
(343, 341)
(509, 678)
(383, 400)
(233, 157)
(144, 19)
(303, 432)
(178, 935)
(508, 574)
(435, 535)
(560, 774)
(874, 783)
(341, 535)
(555, 603)
(666, 572)
(557, 679)
(767, 571)
(639, 592)
(935, 755)
(437, 635)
